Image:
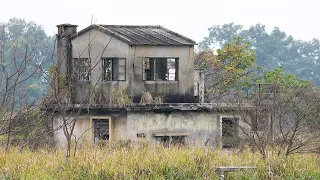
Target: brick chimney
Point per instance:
(64, 56)
(64, 50)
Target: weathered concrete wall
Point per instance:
(96, 45)
(82, 128)
(181, 88)
(201, 128)
(102, 45)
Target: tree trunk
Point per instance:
(68, 153)
(8, 141)
(9, 136)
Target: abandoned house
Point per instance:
(133, 63)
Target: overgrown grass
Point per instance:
(151, 162)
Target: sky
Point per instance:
(191, 18)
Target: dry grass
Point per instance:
(146, 98)
(149, 162)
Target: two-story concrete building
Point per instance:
(139, 61)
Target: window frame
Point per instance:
(144, 75)
(103, 79)
(76, 69)
(105, 118)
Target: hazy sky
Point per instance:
(191, 18)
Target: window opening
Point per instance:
(82, 68)
(229, 132)
(101, 129)
(163, 69)
(114, 69)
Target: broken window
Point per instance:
(164, 69)
(114, 69)
(82, 68)
(229, 132)
(101, 129)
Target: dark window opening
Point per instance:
(229, 133)
(82, 68)
(163, 69)
(101, 129)
(113, 69)
(172, 140)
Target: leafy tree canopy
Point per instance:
(228, 67)
(283, 79)
(272, 49)
(233, 69)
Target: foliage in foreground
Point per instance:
(148, 162)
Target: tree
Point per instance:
(20, 63)
(61, 97)
(277, 109)
(286, 114)
(20, 36)
(273, 49)
(229, 69)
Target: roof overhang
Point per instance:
(103, 30)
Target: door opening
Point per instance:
(230, 135)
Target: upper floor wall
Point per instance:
(105, 61)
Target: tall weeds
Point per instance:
(151, 162)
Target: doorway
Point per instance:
(230, 135)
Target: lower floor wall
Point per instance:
(186, 127)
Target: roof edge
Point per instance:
(100, 28)
(103, 30)
(179, 35)
(131, 26)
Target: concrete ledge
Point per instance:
(164, 107)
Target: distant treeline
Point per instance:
(26, 52)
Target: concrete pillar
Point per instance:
(199, 84)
